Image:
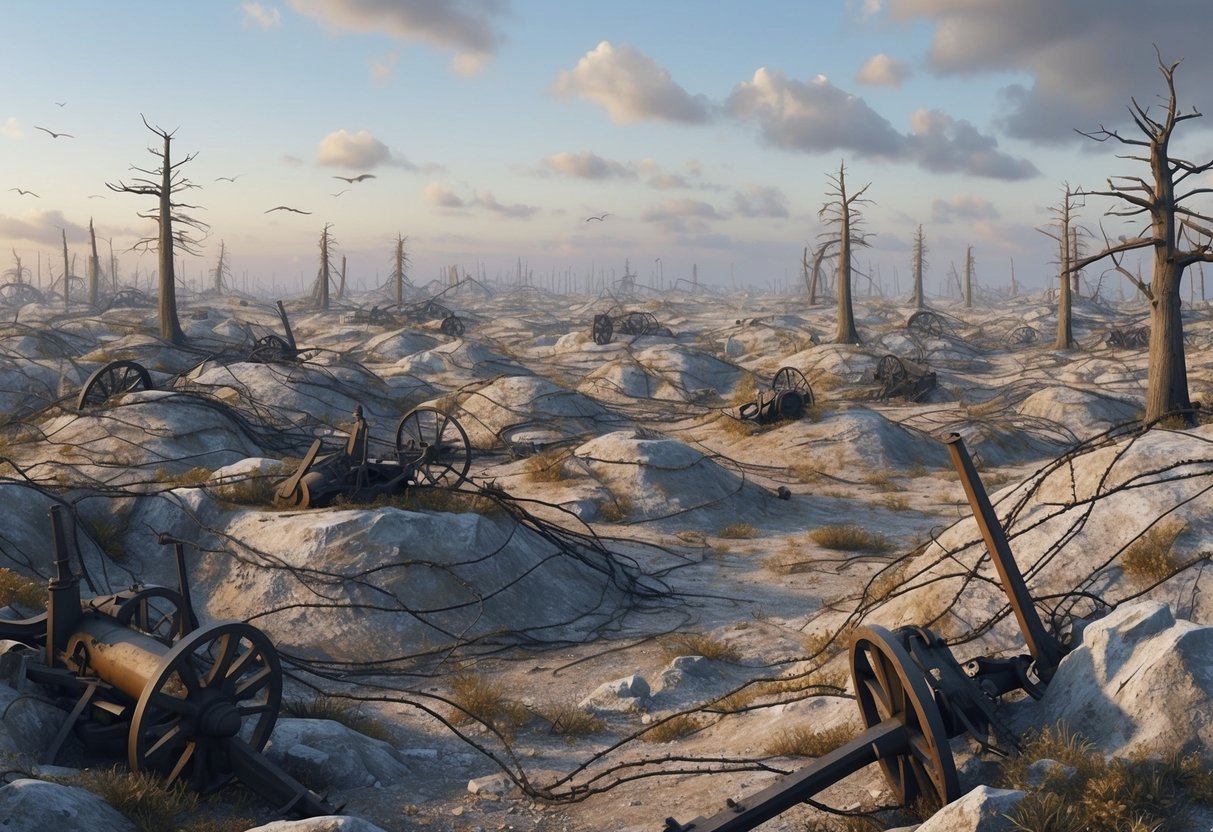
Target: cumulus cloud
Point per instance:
(357, 151)
(668, 181)
(813, 117)
(256, 14)
(441, 197)
(470, 28)
(11, 129)
(882, 71)
(631, 87)
(964, 207)
(587, 165)
(1085, 59)
(761, 201)
(486, 200)
(947, 145)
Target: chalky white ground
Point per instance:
(659, 467)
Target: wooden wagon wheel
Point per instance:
(19, 294)
(452, 325)
(155, 610)
(890, 370)
(114, 379)
(214, 687)
(602, 329)
(926, 322)
(889, 685)
(436, 444)
(791, 379)
(1023, 335)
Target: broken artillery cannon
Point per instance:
(138, 675)
(431, 448)
(914, 696)
(604, 327)
(903, 379)
(789, 397)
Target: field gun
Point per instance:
(789, 397)
(432, 448)
(138, 675)
(604, 327)
(914, 696)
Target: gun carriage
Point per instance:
(604, 327)
(789, 397)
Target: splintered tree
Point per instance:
(18, 273)
(1178, 235)
(67, 273)
(968, 277)
(165, 182)
(398, 277)
(1065, 235)
(341, 285)
(920, 261)
(223, 271)
(321, 292)
(94, 267)
(843, 213)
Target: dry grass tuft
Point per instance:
(434, 498)
(738, 531)
(480, 699)
(570, 721)
(20, 591)
(696, 644)
(547, 466)
(896, 502)
(803, 741)
(142, 797)
(849, 537)
(674, 728)
(1106, 793)
(796, 686)
(1151, 556)
(346, 711)
(108, 533)
(881, 481)
(616, 509)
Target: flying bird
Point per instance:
(21, 192)
(287, 208)
(60, 103)
(358, 178)
(228, 178)
(95, 196)
(342, 191)
(53, 134)
(600, 217)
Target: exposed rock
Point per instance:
(35, 806)
(619, 696)
(327, 752)
(984, 809)
(324, 823)
(491, 784)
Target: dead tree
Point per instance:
(969, 277)
(321, 291)
(920, 260)
(94, 267)
(1172, 225)
(223, 270)
(67, 273)
(341, 285)
(1066, 237)
(18, 273)
(398, 273)
(843, 212)
(165, 183)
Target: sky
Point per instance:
(709, 133)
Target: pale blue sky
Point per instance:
(493, 128)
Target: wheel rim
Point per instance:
(157, 611)
(887, 684)
(114, 379)
(436, 444)
(213, 685)
(602, 329)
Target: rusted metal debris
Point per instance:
(138, 676)
(604, 326)
(432, 449)
(394, 315)
(1134, 338)
(899, 378)
(914, 697)
(788, 399)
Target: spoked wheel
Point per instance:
(19, 294)
(114, 379)
(926, 322)
(213, 688)
(790, 379)
(1024, 335)
(270, 349)
(436, 444)
(889, 685)
(890, 370)
(452, 325)
(602, 329)
(155, 610)
(128, 298)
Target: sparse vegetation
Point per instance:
(804, 741)
(1111, 793)
(674, 728)
(570, 721)
(738, 531)
(694, 644)
(20, 591)
(616, 509)
(1151, 557)
(547, 466)
(480, 699)
(141, 796)
(849, 537)
(346, 711)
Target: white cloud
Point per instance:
(441, 197)
(587, 165)
(882, 71)
(668, 181)
(486, 200)
(45, 227)
(631, 87)
(467, 27)
(357, 151)
(761, 201)
(11, 129)
(964, 207)
(256, 14)
(947, 145)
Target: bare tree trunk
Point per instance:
(845, 333)
(969, 277)
(1065, 331)
(815, 280)
(67, 282)
(322, 297)
(341, 285)
(170, 326)
(1014, 286)
(94, 267)
(1167, 389)
(920, 250)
